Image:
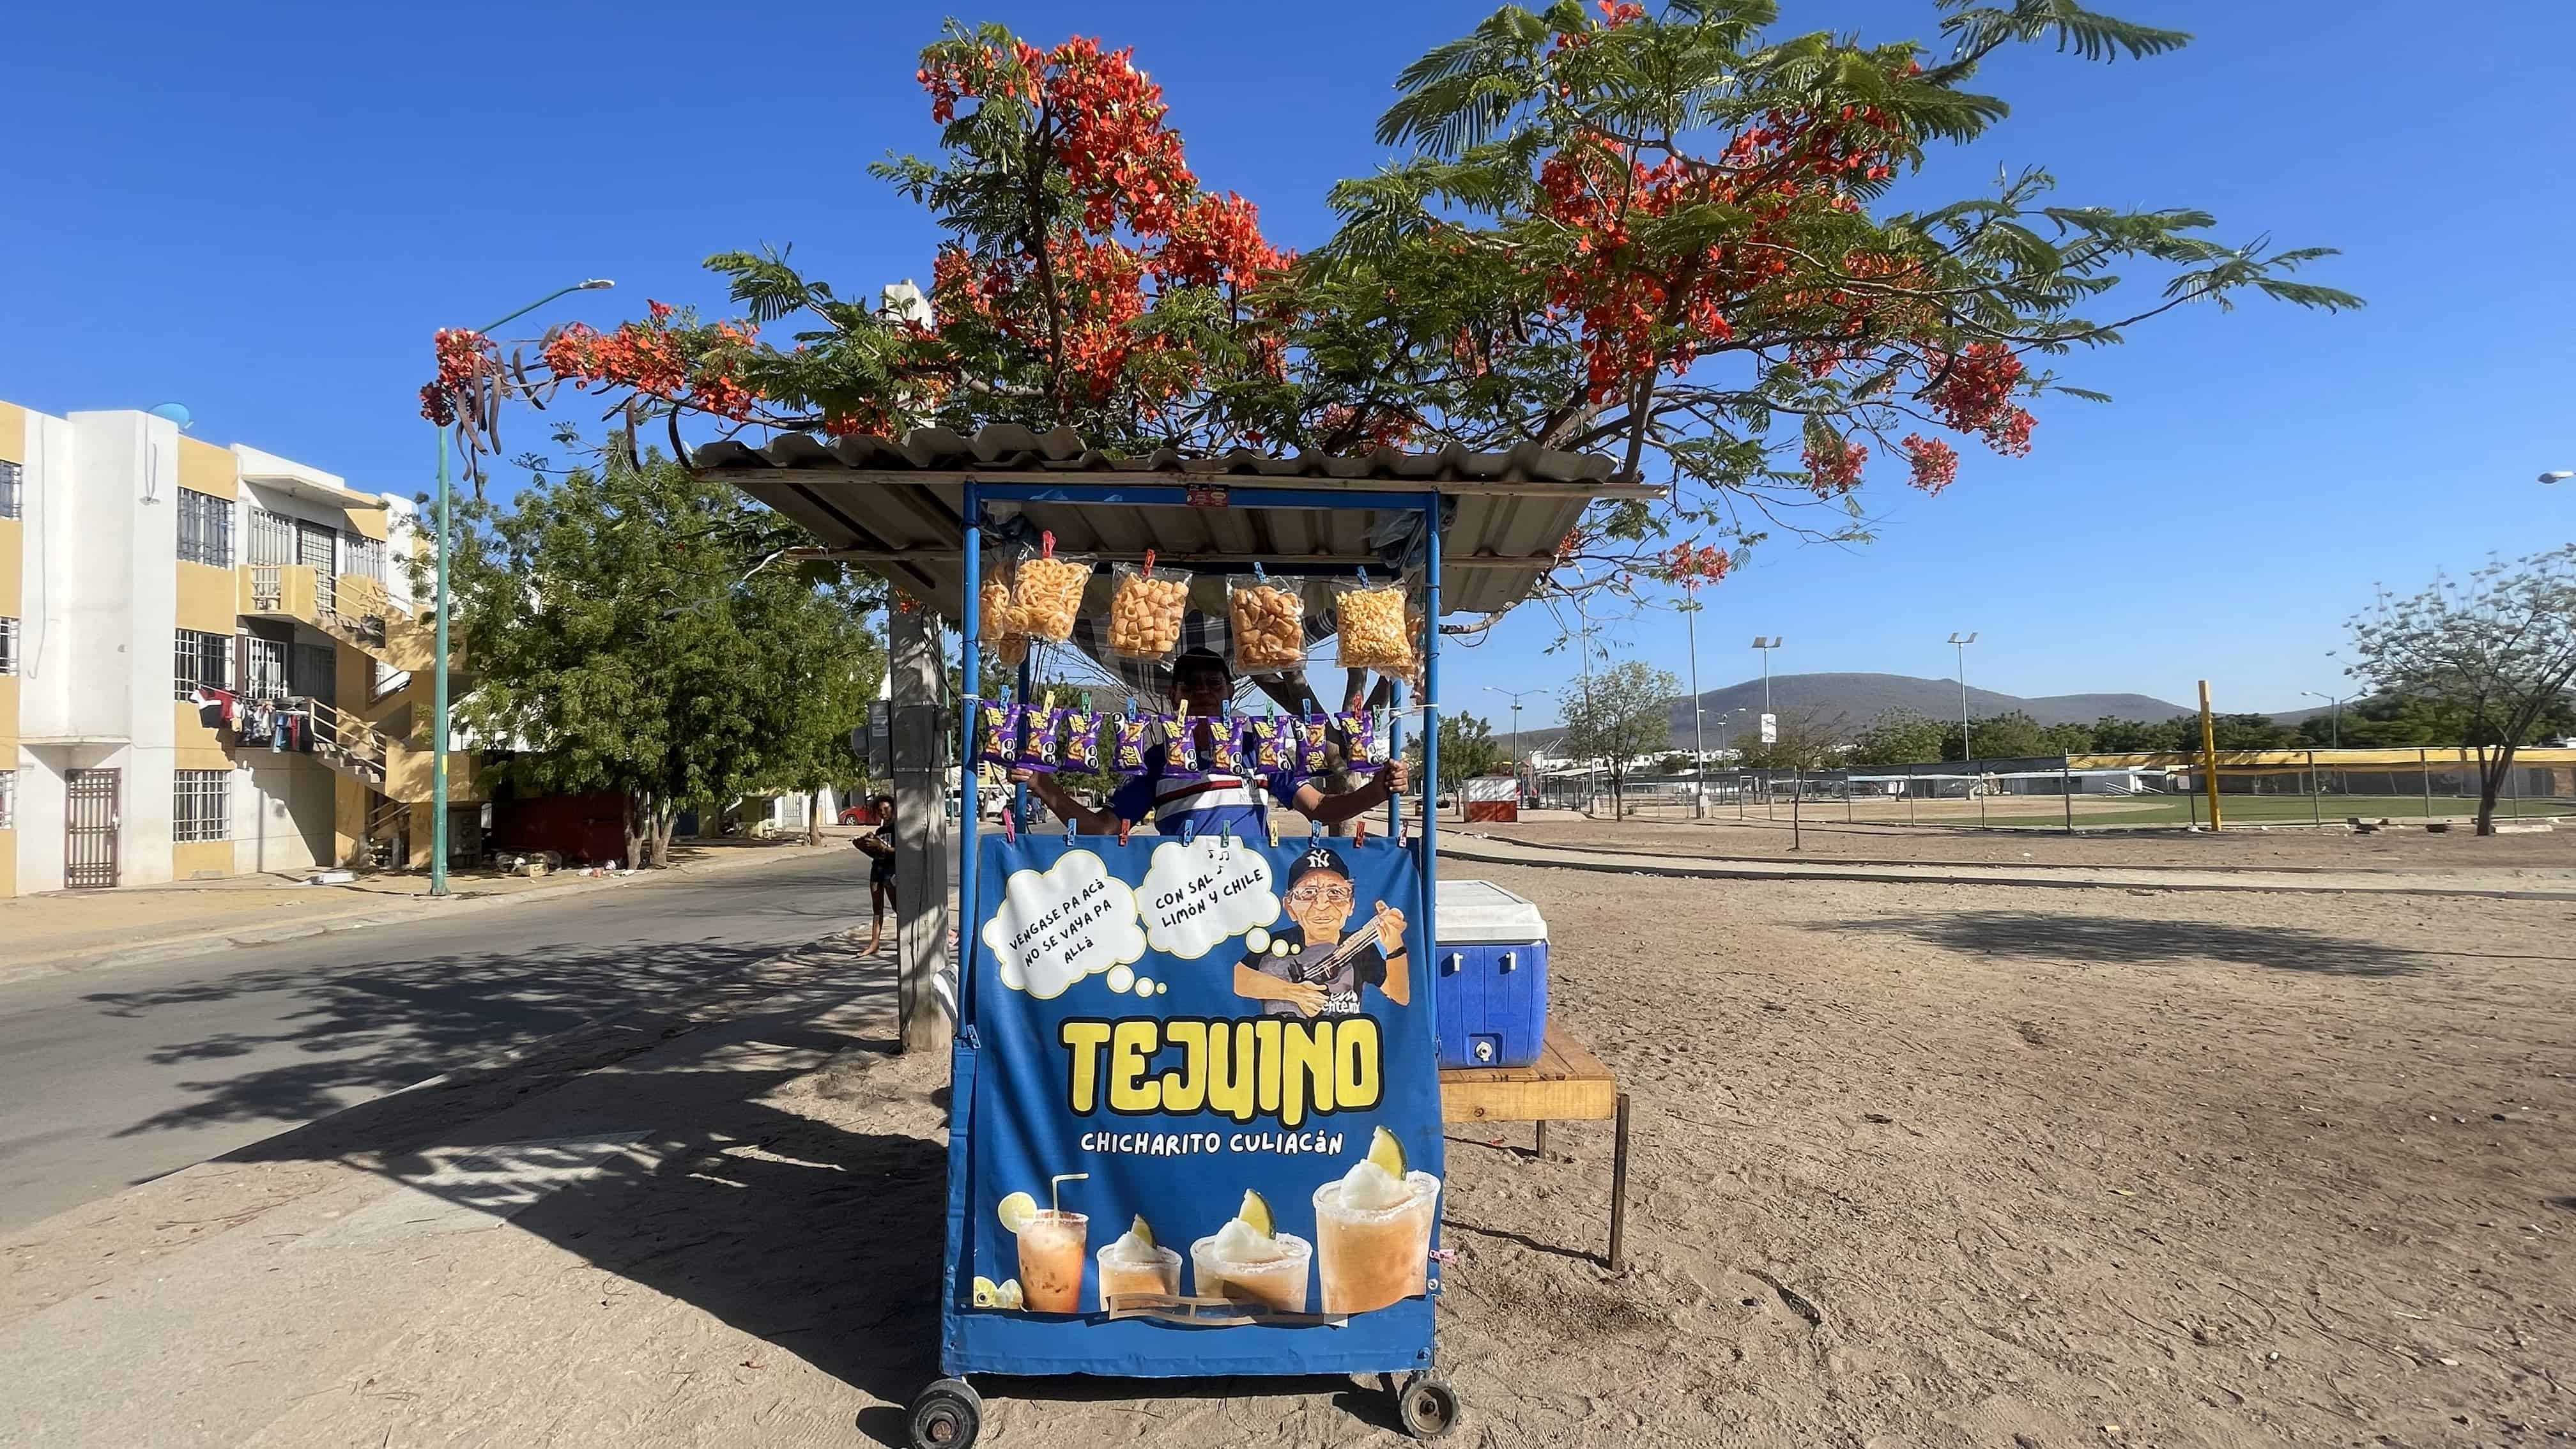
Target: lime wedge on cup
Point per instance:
(1387, 1153)
(1255, 1213)
(1143, 1233)
(1016, 1212)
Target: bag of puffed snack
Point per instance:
(1130, 736)
(997, 730)
(1267, 624)
(1048, 591)
(1361, 743)
(1038, 737)
(1314, 745)
(1225, 752)
(1081, 754)
(1271, 742)
(1147, 607)
(1372, 622)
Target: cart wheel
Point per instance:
(946, 1415)
(1427, 1405)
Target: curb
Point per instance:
(2029, 865)
(1724, 872)
(70, 962)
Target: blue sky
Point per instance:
(262, 211)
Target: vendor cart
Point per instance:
(1117, 1059)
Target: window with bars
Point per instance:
(8, 646)
(365, 555)
(263, 667)
(8, 799)
(12, 478)
(205, 529)
(201, 805)
(272, 537)
(200, 658)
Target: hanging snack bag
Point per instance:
(1182, 752)
(1361, 741)
(1314, 745)
(1225, 752)
(1038, 740)
(1048, 590)
(997, 729)
(1375, 631)
(1147, 607)
(1268, 624)
(997, 614)
(1271, 741)
(1081, 753)
(1130, 736)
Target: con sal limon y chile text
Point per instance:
(1266, 1066)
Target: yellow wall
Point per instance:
(209, 597)
(13, 432)
(8, 720)
(195, 747)
(206, 468)
(368, 523)
(13, 554)
(192, 858)
(8, 863)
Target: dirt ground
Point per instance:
(1913, 1166)
(1826, 837)
(1973, 1167)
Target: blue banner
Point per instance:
(1202, 1125)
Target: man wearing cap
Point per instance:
(1184, 800)
(1310, 968)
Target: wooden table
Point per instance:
(1566, 1084)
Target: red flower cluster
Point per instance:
(1833, 466)
(1123, 162)
(1377, 430)
(1691, 566)
(1216, 239)
(463, 360)
(1973, 391)
(1935, 463)
(639, 355)
(954, 74)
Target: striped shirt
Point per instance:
(1184, 802)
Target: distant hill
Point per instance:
(1860, 698)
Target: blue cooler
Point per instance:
(1490, 975)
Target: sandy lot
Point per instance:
(1977, 1167)
(1830, 839)
(1913, 1166)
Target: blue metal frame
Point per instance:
(1426, 843)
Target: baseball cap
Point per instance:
(1316, 861)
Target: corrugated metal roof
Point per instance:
(894, 505)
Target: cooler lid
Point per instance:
(1479, 912)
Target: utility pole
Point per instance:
(1966, 752)
(2209, 753)
(1699, 733)
(1766, 646)
(2334, 722)
(1516, 695)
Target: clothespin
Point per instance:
(1359, 830)
(1260, 575)
(1149, 563)
(1271, 823)
(1046, 544)
(1010, 827)
(1314, 829)
(1123, 827)
(1068, 830)
(1190, 833)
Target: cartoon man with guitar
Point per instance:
(1311, 968)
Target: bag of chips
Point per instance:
(1376, 630)
(1131, 736)
(1081, 754)
(1314, 745)
(1147, 608)
(1271, 742)
(1361, 744)
(1225, 752)
(1039, 723)
(1267, 622)
(997, 730)
(997, 612)
(1182, 752)
(1048, 591)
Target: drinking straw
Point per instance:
(1061, 1177)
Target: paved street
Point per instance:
(114, 1077)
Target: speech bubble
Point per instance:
(1073, 919)
(1201, 893)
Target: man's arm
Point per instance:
(1325, 809)
(1255, 984)
(1061, 801)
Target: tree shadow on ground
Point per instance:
(2135, 941)
(352, 1030)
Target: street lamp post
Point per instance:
(1766, 646)
(438, 680)
(1699, 732)
(1515, 695)
(1964, 752)
(2334, 721)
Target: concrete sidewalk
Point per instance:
(717, 1221)
(85, 930)
(2499, 885)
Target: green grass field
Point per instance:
(2043, 811)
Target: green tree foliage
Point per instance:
(1468, 747)
(1900, 737)
(1799, 742)
(2388, 721)
(1619, 714)
(2494, 654)
(623, 639)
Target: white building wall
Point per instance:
(281, 816)
(46, 645)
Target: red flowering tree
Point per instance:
(1663, 234)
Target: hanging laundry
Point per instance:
(214, 705)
